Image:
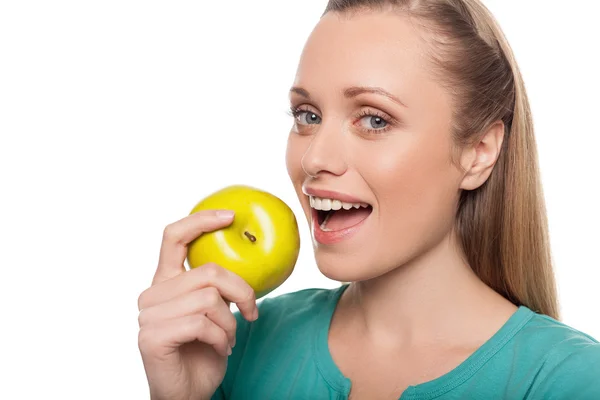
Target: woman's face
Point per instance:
(387, 146)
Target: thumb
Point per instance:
(178, 235)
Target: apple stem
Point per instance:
(250, 236)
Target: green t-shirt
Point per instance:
(284, 355)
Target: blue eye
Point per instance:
(374, 121)
(369, 121)
(306, 117)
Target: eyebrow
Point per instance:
(353, 91)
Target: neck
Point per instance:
(434, 299)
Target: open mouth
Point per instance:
(336, 217)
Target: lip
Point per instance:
(331, 237)
(330, 194)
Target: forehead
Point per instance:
(374, 49)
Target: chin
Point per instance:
(356, 266)
(343, 268)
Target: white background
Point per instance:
(116, 117)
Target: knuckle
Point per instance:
(147, 342)
(172, 234)
(196, 301)
(141, 301)
(233, 325)
(212, 270)
(197, 324)
(224, 338)
(211, 296)
(250, 295)
(142, 317)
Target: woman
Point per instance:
(416, 111)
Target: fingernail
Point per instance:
(255, 314)
(228, 350)
(224, 214)
(233, 342)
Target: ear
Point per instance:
(479, 159)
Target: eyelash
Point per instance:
(390, 122)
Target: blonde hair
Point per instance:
(502, 225)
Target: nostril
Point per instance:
(306, 172)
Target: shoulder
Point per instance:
(557, 330)
(556, 339)
(570, 359)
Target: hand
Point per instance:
(186, 325)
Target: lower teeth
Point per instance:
(323, 228)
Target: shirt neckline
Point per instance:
(430, 389)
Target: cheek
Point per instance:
(413, 182)
(293, 157)
(296, 147)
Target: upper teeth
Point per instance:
(323, 204)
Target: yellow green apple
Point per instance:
(262, 243)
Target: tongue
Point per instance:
(342, 219)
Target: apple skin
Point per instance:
(262, 243)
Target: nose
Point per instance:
(325, 153)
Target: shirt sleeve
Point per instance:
(576, 376)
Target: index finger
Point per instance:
(231, 287)
(178, 235)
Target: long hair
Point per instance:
(502, 225)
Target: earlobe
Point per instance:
(479, 159)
